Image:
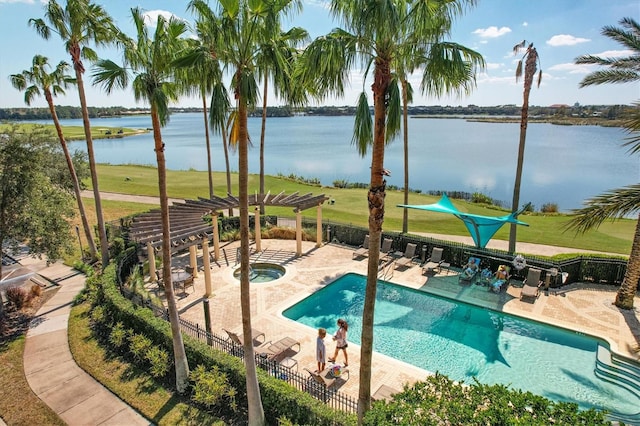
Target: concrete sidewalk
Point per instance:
(51, 370)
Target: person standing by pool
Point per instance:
(321, 350)
(341, 341)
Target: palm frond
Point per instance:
(363, 126)
(614, 204)
(109, 75)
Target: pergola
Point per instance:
(189, 226)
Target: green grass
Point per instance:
(133, 385)
(77, 132)
(18, 404)
(351, 207)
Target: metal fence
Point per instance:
(303, 382)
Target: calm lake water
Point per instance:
(562, 164)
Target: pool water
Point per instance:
(263, 272)
(464, 341)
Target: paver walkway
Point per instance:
(50, 368)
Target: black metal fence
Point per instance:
(304, 382)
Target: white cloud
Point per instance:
(572, 68)
(492, 32)
(566, 40)
(492, 66)
(614, 53)
(525, 24)
(151, 17)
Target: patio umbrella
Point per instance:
(481, 228)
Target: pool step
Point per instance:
(622, 372)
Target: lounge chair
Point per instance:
(531, 284)
(363, 250)
(469, 274)
(238, 338)
(497, 284)
(434, 261)
(274, 350)
(406, 261)
(385, 250)
(325, 378)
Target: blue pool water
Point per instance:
(463, 341)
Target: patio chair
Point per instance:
(363, 250)
(406, 261)
(273, 350)
(470, 270)
(531, 284)
(386, 250)
(434, 261)
(238, 338)
(325, 378)
(501, 280)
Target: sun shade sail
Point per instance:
(481, 228)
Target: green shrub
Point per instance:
(480, 198)
(549, 208)
(211, 388)
(159, 362)
(139, 345)
(98, 316)
(118, 336)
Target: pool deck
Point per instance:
(586, 308)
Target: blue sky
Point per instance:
(561, 30)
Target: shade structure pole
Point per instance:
(207, 268)
(216, 237)
(193, 260)
(256, 216)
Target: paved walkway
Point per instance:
(50, 368)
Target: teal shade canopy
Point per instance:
(481, 228)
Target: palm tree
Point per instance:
(372, 33)
(448, 68)
(79, 23)
(38, 80)
(150, 60)
(623, 201)
(530, 68)
(276, 60)
(242, 28)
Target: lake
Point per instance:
(562, 164)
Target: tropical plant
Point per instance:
(275, 59)
(531, 61)
(38, 80)
(372, 34)
(150, 60)
(625, 201)
(34, 207)
(79, 23)
(242, 28)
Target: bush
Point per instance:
(159, 362)
(480, 198)
(16, 296)
(118, 336)
(549, 208)
(139, 345)
(211, 388)
(36, 291)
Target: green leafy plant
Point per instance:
(139, 345)
(159, 362)
(118, 336)
(211, 387)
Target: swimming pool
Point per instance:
(464, 341)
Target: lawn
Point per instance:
(77, 132)
(351, 207)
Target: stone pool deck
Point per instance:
(582, 307)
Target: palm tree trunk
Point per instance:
(262, 134)
(376, 196)
(102, 233)
(74, 176)
(179, 354)
(206, 135)
(530, 70)
(405, 124)
(629, 287)
(256, 411)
